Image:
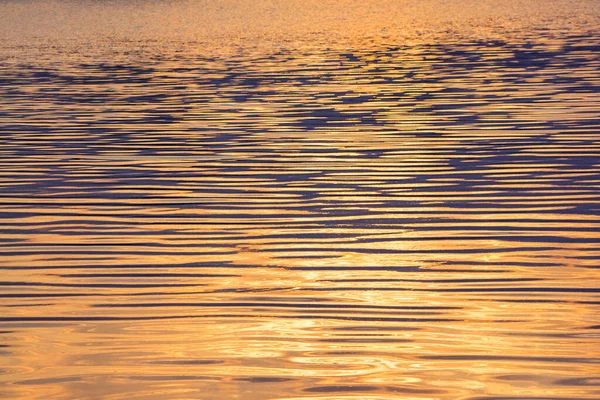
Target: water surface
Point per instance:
(309, 200)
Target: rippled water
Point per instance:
(324, 200)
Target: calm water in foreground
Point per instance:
(300, 200)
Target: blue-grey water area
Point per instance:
(326, 200)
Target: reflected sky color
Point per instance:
(299, 200)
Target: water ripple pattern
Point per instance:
(383, 220)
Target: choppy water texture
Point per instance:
(309, 200)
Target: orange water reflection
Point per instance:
(321, 200)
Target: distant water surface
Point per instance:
(300, 200)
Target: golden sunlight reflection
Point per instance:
(320, 200)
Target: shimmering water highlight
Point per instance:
(356, 207)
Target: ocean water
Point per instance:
(323, 200)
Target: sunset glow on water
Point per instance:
(322, 200)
